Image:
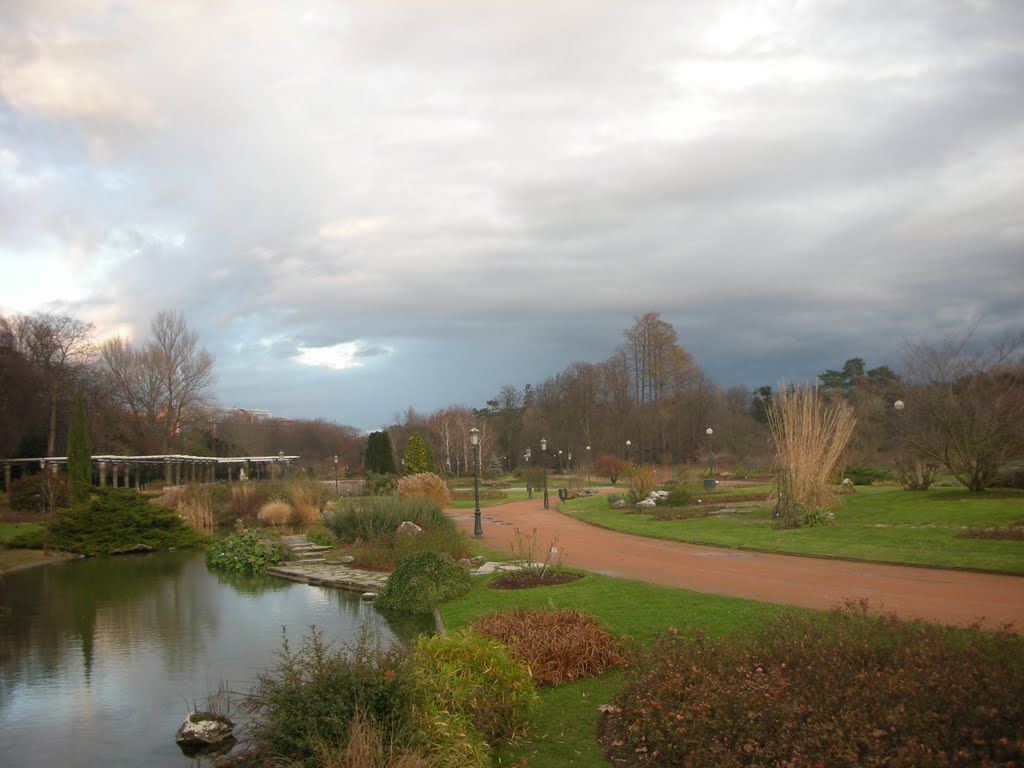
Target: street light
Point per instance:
(336, 475)
(474, 439)
(588, 464)
(711, 454)
(570, 461)
(529, 483)
(544, 450)
(629, 450)
(561, 466)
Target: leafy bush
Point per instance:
(321, 535)
(424, 484)
(557, 645)
(308, 701)
(678, 496)
(847, 689)
(386, 553)
(114, 520)
(40, 493)
(641, 482)
(423, 581)
(246, 552)
(815, 518)
(610, 466)
(1009, 477)
(379, 517)
(469, 694)
(866, 475)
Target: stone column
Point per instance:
(168, 470)
(7, 478)
(103, 474)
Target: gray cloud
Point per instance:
(445, 198)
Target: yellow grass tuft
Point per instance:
(810, 436)
(276, 513)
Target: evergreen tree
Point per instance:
(494, 466)
(431, 461)
(379, 457)
(416, 455)
(79, 454)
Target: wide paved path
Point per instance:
(942, 596)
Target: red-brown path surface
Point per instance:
(941, 596)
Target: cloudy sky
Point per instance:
(365, 206)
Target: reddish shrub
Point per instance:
(846, 690)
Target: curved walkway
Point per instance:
(942, 596)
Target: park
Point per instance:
(460, 591)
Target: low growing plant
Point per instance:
(423, 581)
(247, 552)
(844, 689)
(379, 517)
(114, 520)
(321, 535)
(307, 703)
(469, 694)
(557, 646)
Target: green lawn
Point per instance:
(881, 524)
(563, 726)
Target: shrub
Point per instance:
(678, 496)
(379, 517)
(866, 475)
(610, 466)
(641, 481)
(277, 513)
(423, 581)
(424, 484)
(114, 520)
(613, 498)
(369, 746)
(1009, 477)
(469, 694)
(815, 518)
(846, 689)
(557, 645)
(38, 493)
(307, 702)
(322, 536)
(246, 552)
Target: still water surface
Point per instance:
(102, 659)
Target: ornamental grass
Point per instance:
(558, 646)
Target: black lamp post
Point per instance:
(711, 454)
(629, 451)
(570, 461)
(474, 439)
(336, 475)
(529, 482)
(544, 451)
(561, 466)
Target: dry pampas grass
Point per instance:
(810, 436)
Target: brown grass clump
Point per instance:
(244, 501)
(558, 646)
(810, 437)
(424, 484)
(307, 497)
(369, 748)
(276, 513)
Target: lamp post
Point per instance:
(561, 466)
(544, 451)
(588, 464)
(280, 458)
(629, 451)
(570, 461)
(474, 439)
(711, 454)
(529, 483)
(336, 493)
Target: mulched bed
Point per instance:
(529, 580)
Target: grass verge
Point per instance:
(879, 524)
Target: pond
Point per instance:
(102, 659)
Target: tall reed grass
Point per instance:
(810, 436)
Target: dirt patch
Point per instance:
(531, 579)
(614, 739)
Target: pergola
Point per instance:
(120, 471)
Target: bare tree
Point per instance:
(964, 404)
(185, 370)
(59, 346)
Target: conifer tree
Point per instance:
(79, 454)
(379, 457)
(416, 455)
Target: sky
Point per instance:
(363, 207)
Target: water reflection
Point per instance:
(101, 659)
